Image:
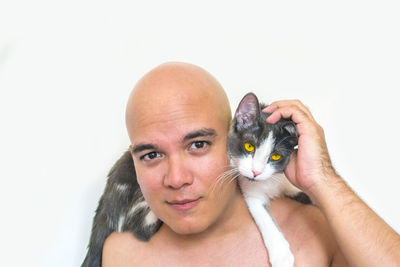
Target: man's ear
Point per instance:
(247, 112)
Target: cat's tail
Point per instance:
(100, 231)
(121, 208)
(113, 203)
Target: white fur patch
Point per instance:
(151, 218)
(261, 157)
(121, 222)
(276, 186)
(278, 248)
(121, 187)
(110, 223)
(137, 206)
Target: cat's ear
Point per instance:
(248, 111)
(290, 127)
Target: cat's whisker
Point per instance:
(219, 179)
(230, 179)
(227, 176)
(234, 178)
(223, 177)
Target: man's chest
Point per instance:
(245, 254)
(222, 258)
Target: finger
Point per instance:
(285, 103)
(295, 102)
(270, 108)
(289, 112)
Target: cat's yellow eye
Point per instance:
(249, 147)
(275, 156)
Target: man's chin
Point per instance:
(188, 228)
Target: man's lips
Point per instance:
(184, 204)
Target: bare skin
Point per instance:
(176, 99)
(304, 226)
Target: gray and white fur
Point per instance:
(121, 208)
(261, 170)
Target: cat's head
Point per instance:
(256, 148)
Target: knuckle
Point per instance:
(296, 102)
(294, 107)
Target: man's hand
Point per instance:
(311, 163)
(363, 237)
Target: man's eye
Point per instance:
(150, 156)
(198, 145)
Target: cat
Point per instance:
(123, 208)
(259, 152)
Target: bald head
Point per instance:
(176, 85)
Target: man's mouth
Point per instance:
(184, 204)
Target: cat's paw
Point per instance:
(280, 255)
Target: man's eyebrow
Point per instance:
(197, 133)
(200, 133)
(141, 147)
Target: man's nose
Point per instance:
(178, 174)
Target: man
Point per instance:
(178, 115)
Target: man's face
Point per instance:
(179, 150)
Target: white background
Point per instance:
(67, 68)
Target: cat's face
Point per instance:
(256, 148)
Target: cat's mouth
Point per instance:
(251, 179)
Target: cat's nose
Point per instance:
(256, 173)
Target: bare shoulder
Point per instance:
(306, 230)
(122, 249)
(292, 214)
